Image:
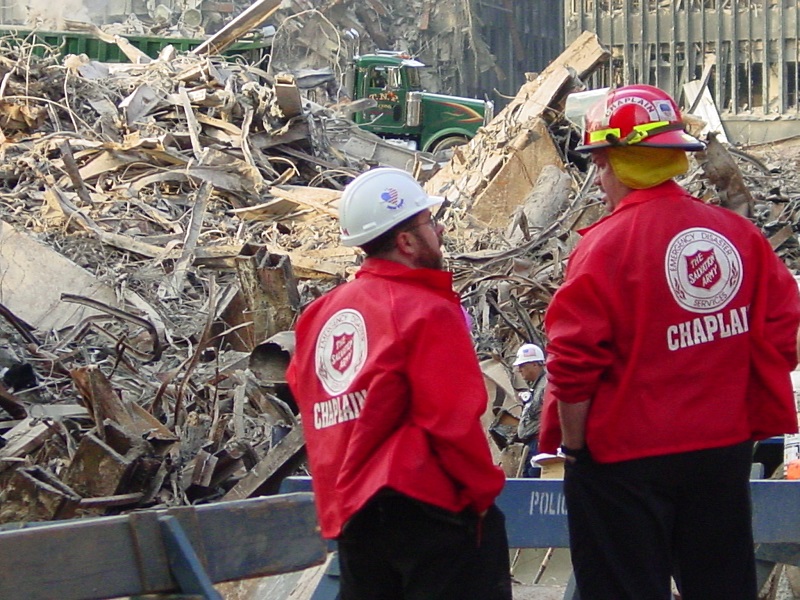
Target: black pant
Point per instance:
(397, 548)
(635, 523)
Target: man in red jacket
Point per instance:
(391, 395)
(671, 341)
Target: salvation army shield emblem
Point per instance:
(703, 269)
(342, 352)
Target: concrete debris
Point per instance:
(164, 223)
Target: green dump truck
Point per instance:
(404, 111)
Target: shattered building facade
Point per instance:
(746, 49)
(523, 36)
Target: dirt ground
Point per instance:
(538, 592)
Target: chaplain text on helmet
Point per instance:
(640, 115)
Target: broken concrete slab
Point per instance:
(518, 177)
(25, 264)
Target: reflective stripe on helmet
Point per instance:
(638, 134)
(638, 114)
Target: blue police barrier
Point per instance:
(536, 517)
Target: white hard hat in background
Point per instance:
(529, 353)
(377, 200)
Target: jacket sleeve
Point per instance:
(448, 399)
(774, 316)
(579, 330)
(528, 426)
(550, 431)
(782, 309)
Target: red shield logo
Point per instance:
(342, 354)
(703, 269)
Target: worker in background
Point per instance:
(391, 396)
(530, 362)
(670, 345)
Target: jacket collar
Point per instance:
(441, 281)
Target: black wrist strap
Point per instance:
(573, 453)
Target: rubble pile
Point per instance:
(141, 209)
(162, 224)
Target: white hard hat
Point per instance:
(529, 353)
(376, 201)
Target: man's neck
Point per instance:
(395, 255)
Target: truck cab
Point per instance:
(404, 111)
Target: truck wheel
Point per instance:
(449, 142)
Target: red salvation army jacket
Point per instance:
(679, 322)
(391, 395)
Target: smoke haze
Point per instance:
(51, 14)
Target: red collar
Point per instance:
(441, 281)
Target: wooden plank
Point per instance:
(322, 200)
(125, 555)
(309, 267)
(24, 438)
(266, 211)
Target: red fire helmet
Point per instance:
(636, 114)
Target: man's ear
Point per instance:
(405, 242)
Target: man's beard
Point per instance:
(430, 258)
